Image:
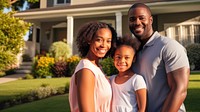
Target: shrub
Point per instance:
(59, 68)
(35, 62)
(67, 87)
(7, 60)
(72, 62)
(29, 76)
(60, 50)
(44, 85)
(108, 66)
(12, 31)
(43, 67)
(61, 90)
(193, 52)
(2, 74)
(42, 92)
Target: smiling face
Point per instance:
(140, 23)
(101, 43)
(123, 58)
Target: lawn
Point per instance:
(53, 104)
(18, 87)
(193, 97)
(60, 103)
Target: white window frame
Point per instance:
(168, 27)
(56, 2)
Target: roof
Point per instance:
(108, 8)
(93, 5)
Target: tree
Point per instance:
(31, 4)
(18, 4)
(12, 31)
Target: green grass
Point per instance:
(61, 104)
(53, 104)
(11, 89)
(193, 97)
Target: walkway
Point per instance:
(11, 78)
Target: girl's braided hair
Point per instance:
(87, 33)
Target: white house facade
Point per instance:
(56, 20)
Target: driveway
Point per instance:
(11, 78)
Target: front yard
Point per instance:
(60, 103)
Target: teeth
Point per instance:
(121, 66)
(102, 51)
(138, 29)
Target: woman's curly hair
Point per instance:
(87, 33)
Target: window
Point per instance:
(37, 35)
(197, 33)
(185, 33)
(61, 2)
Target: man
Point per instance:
(162, 61)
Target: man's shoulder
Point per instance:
(166, 40)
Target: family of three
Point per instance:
(152, 78)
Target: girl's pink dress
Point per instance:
(102, 90)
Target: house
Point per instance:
(60, 19)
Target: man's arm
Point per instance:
(178, 83)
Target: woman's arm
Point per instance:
(141, 96)
(85, 81)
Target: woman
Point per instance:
(90, 90)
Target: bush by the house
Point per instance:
(42, 67)
(35, 61)
(48, 66)
(60, 50)
(59, 68)
(12, 31)
(7, 60)
(193, 52)
(72, 62)
(108, 66)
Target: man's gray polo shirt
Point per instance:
(159, 56)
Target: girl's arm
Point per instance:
(141, 96)
(85, 81)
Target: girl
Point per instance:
(129, 89)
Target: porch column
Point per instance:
(119, 23)
(43, 3)
(33, 50)
(70, 28)
(181, 38)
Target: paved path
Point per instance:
(11, 78)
